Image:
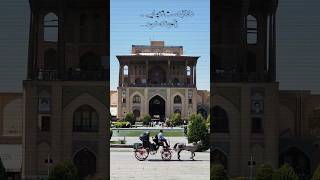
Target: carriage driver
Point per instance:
(162, 138)
(145, 139)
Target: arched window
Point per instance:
(177, 99)
(220, 120)
(86, 163)
(136, 99)
(136, 113)
(218, 157)
(125, 70)
(85, 119)
(188, 71)
(50, 27)
(252, 29)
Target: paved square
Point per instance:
(123, 166)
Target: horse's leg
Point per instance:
(179, 154)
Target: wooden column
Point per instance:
(185, 72)
(191, 75)
(120, 75)
(169, 72)
(147, 71)
(195, 75)
(61, 38)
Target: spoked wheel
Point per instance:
(141, 154)
(166, 155)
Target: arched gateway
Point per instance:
(157, 107)
(85, 161)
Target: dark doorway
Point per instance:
(298, 160)
(157, 107)
(85, 161)
(218, 157)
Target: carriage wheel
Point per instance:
(141, 154)
(166, 155)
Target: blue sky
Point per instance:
(298, 39)
(193, 33)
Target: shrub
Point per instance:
(264, 172)
(217, 172)
(130, 118)
(197, 129)
(146, 120)
(2, 171)
(285, 172)
(65, 170)
(316, 174)
(175, 119)
(122, 124)
(208, 121)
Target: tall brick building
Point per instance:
(252, 118)
(65, 113)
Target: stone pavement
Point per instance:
(123, 166)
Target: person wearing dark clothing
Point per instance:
(145, 139)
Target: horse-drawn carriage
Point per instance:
(141, 152)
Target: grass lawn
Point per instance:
(137, 133)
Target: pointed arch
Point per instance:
(85, 119)
(177, 99)
(86, 162)
(218, 156)
(50, 27)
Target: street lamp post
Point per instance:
(251, 164)
(48, 162)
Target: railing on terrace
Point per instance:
(240, 77)
(72, 75)
(159, 85)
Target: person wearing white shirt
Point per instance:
(162, 138)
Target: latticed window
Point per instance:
(252, 29)
(50, 27)
(85, 119)
(177, 100)
(136, 99)
(220, 120)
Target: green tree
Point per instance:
(217, 172)
(130, 118)
(208, 120)
(264, 172)
(197, 129)
(175, 119)
(65, 170)
(146, 120)
(3, 175)
(316, 174)
(285, 172)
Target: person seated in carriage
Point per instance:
(162, 139)
(145, 139)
